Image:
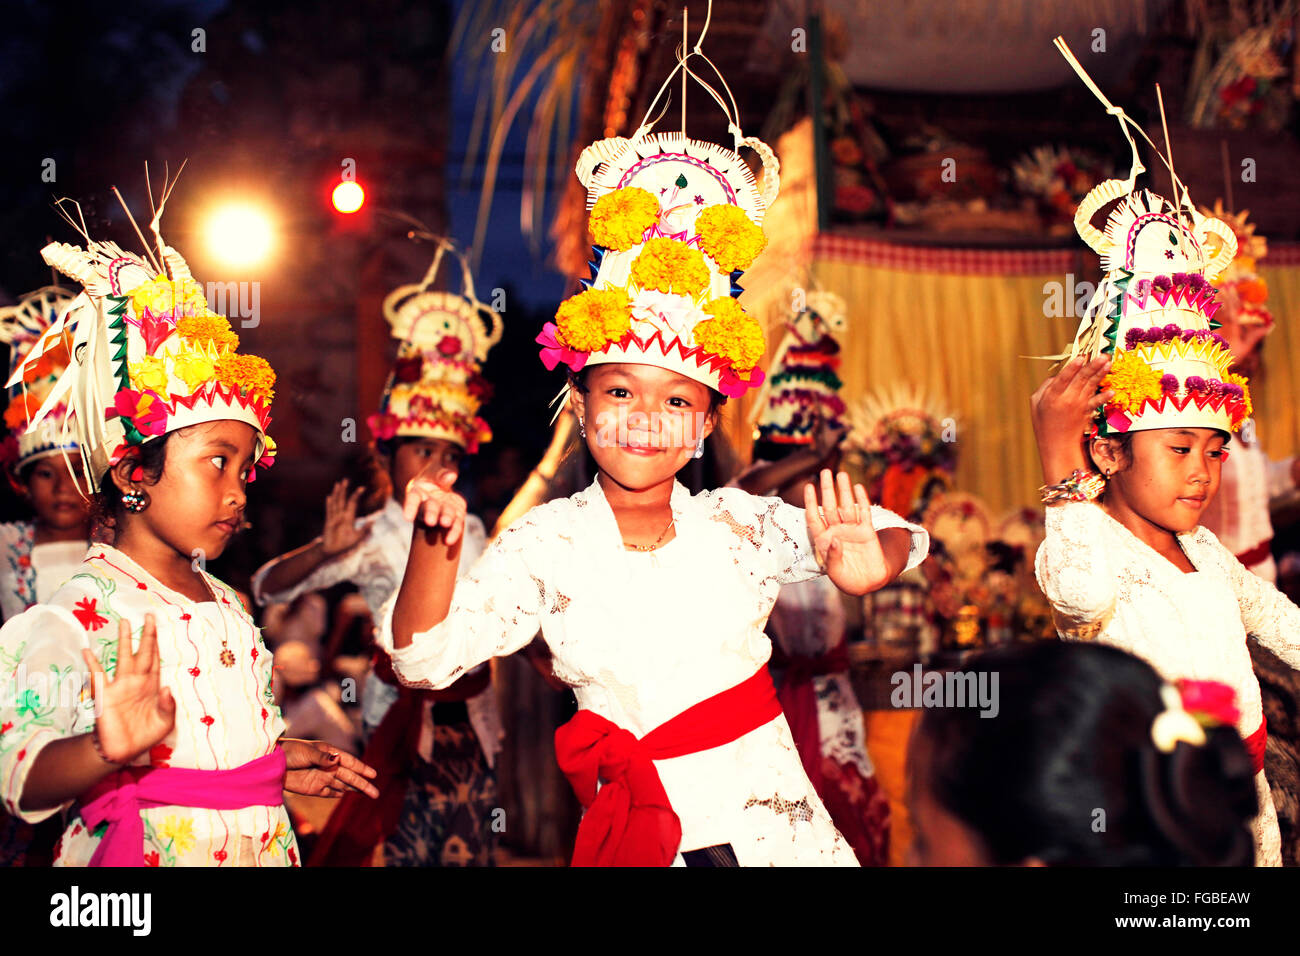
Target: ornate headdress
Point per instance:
(436, 389)
(21, 326)
(675, 221)
(1153, 312)
(149, 356)
(906, 443)
(803, 387)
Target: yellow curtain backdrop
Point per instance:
(1274, 394)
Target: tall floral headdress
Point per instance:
(21, 326)
(1153, 312)
(436, 387)
(803, 387)
(1241, 285)
(149, 356)
(676, 221)
(905, 440)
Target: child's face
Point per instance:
(413, 455)
(198, 503)
(54, 496)
(642, 422)
(1172, 476)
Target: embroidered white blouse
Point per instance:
(376, 566)
(31, 572)
(225, 716)
(642, 636)
(1105, 584)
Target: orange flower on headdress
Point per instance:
(591, 320)
(248, 373)
(729, 236)
(211, 328)
(667, 265)
(731, 333)
(162, 296)
(620, 218)
(1233, 378)
(1133, 381)
(20, 411)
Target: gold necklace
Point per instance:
(227, 657)
(658, 541)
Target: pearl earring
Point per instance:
(699, 449)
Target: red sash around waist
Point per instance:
(1255, 745)
(629, 820)
(119, 798)
(1257, 554)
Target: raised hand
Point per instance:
(842, 535)
(133, 711)
(1062, 408)
(341, 533)
(315, 769)
(430, 502)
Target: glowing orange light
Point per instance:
(348, 196)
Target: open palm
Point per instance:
(341, 532)
(843, 536)
(133, 712)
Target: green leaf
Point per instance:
(681, 181)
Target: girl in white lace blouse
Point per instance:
(1135, 569)
(652, 602)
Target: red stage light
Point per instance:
(348, 196)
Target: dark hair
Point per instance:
(106, 505)
(1072, 737)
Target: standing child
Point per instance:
(38, 555)
(1125, 560)
(651, 600)
(435, 751)
(140, 700)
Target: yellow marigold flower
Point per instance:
(149, 373)
(619, 219)
(193, 368)
(591, 320)
(730, 237)
(731, 333)
(1235, 379)
(201, 329)
(1133, 380)
(161, 295)
(180, 831)
(248, 373)
(670, 266)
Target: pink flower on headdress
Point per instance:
(553, 353)
(733, 386)
(145, 410)
(383, 426)
(1210, 698)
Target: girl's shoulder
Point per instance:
(12, 531)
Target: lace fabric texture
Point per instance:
(1105, 584)
(225, 716)
(640, 637)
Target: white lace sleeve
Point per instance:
(780, 532)
(1073, 569)
(1267, 613)
(345, 567)
(496, 610)
(43, 697)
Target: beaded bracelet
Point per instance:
(1080, 486)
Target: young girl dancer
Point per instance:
(36, 555)
(1082, 730)
(40, 554)
(169, 751)
(651, 600)
(1124, 559)
(435, 751)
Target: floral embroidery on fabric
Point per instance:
(89, 617)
